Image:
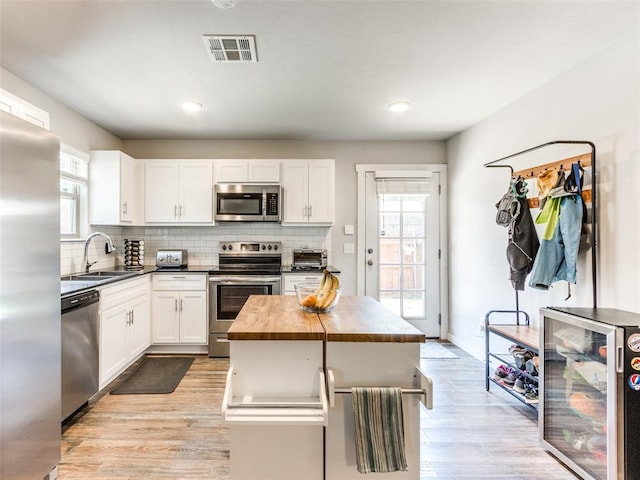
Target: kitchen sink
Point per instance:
(98, 276)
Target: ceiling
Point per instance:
(326, 70)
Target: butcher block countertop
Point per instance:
(275, 317)
(355, 319)
(362, 319)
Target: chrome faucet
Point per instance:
(109, 248)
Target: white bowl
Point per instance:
(312, 299)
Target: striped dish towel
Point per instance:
(379, 429)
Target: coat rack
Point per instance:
(589, 196)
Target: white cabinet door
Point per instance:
(128, 181)
(179, 317)
(309, 191)
(196, 191)
(113, 186)
(165, 327)
(161, 191)
(321, 191)
(263, 171)
(113, 357)
(295, 183)
(193, 317)
(247, 171)
(26, 111)
(138, 332)
(178, 191)
(231, 171)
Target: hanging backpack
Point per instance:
(509, 206)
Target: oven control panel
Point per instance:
(255, 248)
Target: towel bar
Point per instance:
(419, 379)
(403, 390)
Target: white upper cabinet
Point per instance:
(18, 107)
(178, 191)
(115, 189)
(247, 171)
(309, 191)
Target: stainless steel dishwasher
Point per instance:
(80, 350)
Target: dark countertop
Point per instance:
(288, 269)
(76, 286)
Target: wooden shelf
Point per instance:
(521, 334)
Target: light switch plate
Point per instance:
(348, 230)
(348, 247)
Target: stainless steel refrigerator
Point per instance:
(29, 301)
(589, 412)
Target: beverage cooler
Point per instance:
(589, 413)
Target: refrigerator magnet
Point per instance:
(635, 363)
(633, 342)
(634, 382)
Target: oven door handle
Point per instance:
(238, 280)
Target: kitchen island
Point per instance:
(287, 397)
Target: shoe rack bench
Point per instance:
(519, 332)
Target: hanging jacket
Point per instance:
(558, 256)
(523, 246)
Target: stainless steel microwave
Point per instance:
(248, 203)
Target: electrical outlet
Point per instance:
(349, 247)
(482, 327)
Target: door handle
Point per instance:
(370, 250)
(370, 262)
(310, 209)
(176, 304)
(175, 210)
(180, 304)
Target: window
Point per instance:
(74, 173)
(402, 245)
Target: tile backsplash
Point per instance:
(201, 242)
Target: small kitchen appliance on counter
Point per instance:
(309, 259)
(171, 259)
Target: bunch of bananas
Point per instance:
(325, 294)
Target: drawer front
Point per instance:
(289, 280)
(179, 281)
(122, 291)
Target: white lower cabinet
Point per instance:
(124, 326)
(179, 306)
(289, 280)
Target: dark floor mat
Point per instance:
(155, 375)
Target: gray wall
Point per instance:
(73, 129)
(599, 101)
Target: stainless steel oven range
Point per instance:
(245, 268)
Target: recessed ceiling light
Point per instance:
(191, 106)
(398, 106)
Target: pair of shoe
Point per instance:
(531, 394)
(521, 355)
(506, 375)
(532, 365)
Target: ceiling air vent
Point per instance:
(231, 48)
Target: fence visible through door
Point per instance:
(402, 245)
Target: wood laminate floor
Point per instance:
(469, 434)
